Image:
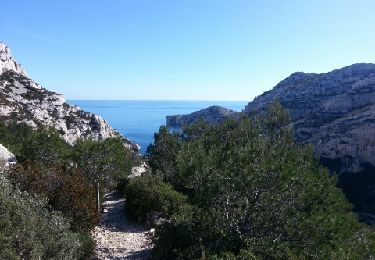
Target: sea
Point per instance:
(139, 120)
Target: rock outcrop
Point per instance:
(7, 158)
(334, 111)
(7, 63)
(24, 101)
(212, 115)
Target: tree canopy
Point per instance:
(253, 193)
(102, 161)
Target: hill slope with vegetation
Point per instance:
(245, 190)
(51, 199)
(51, 196)
(334, 112)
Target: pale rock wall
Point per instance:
(7, 156)
(23, 100)
(334, 111)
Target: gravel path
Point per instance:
(116, 236)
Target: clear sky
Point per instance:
(180, 49)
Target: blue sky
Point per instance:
(183, 50)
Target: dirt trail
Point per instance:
(116, 236)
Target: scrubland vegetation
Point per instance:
(239, 190)
(244, 190)
(49, 199)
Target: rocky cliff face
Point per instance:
(7, 63)
(334, 111)
(213, 115)
(6, 157)
(23, 100)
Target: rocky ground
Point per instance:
(117, 237)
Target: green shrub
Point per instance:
(162, 154)
(28, 230)
(64, 175)
(121, 186)
(257, 194)
(87, 245)
(43, 145)
(149, 194)
(66, 189)
(13, 135)
(103, 162)
(177, 236)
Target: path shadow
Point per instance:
(145, 254)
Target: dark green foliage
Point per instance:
(148, 194)
(28, 230)
(45, 146)
(102, 162)
(105, 161)
(255, 194)
(162, 154)
(121, 186)
(66, 189)
(42, 145)
(47, 167)
(87, 245)
(13, 136)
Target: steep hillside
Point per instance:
(23, 100)
(334, 111)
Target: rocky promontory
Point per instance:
(212, 115)
(24, 101)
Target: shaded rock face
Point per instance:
(212, 115)
(334, 111)
(24, 101)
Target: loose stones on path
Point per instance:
(117, 237)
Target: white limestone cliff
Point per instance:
(7, 62)
(7, 157)
(23, 100)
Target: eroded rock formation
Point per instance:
(334, 111)
(23, 100)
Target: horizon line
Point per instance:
(189, 100)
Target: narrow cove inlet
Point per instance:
(187, 130)
(139, 120)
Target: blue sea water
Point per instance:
(139, 120)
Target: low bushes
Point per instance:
(253, 194)
(28, 230)
(66, 177)
(66, 189)
(149, 194)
